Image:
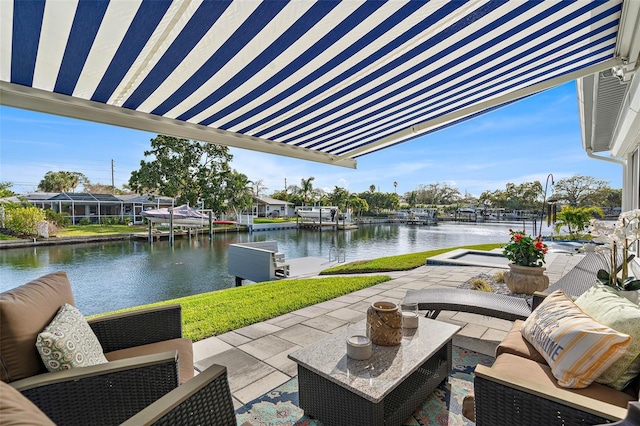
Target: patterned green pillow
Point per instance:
(69, 342)
(608, 307)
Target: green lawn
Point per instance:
(4, 237)
(89, 230)
(274, 220)
(403, 262)
(217, 312)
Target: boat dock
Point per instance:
(157, 234)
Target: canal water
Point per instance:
(113, 275)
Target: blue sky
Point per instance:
(520, 143)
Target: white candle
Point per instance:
(409, 320)
(359, 340)
(359, 347)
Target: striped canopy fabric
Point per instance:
(321, 80)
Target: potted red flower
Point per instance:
(526, 273)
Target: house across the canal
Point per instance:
(96, 208)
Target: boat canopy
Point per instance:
(327, 81)
(179, 212)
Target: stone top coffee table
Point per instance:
(383, 390)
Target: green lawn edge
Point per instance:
(402, 262)
(217, 312)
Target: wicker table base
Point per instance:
(399, 380)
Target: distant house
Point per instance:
(270, 207)
(95, 207)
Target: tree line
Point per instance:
(199, 174)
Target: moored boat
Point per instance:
(314, 213)
(182, 216)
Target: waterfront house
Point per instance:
(270, 207)
(95, 208)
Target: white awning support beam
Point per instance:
(24, 97)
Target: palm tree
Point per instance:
(372, 188)
(259, 187)
(239, 192)
(395, 186)
(306, 189)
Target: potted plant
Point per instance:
(526, 271)
(617, 239)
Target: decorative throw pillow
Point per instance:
(577, 348)
(69, 342)
(608, 307)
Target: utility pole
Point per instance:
(113, 186)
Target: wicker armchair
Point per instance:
(148, 359)
(76, 400)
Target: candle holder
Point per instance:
(409, 315)
(359, 344)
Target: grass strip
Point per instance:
(95, 229)
(402, 262)
(90, 230)
(217, 312)
(273, 220)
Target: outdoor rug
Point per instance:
(444, 407)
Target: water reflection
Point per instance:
(113, 275)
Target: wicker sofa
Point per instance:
(520, 389)
(147, 361)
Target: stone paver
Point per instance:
(255, 331)
(261, 386)
(362, 306)
(266, 346)
(333, 304)
(325, 323)
(242, 368)
(282, 362)
(472, 330)
(233, 339)
(393, 294)
(349, 299)
(347, 314)
(366, 292)
(493, 335)
(483, 320)
(301, 335)
(286, 320)
(310, 312)
(209, 347)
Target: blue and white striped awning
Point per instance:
(321, 80)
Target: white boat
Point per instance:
(182, 216)
(422, 216)
(314, 213)
(425, 213)
(466, 210)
